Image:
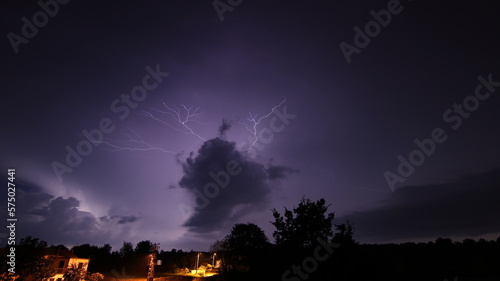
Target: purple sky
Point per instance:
(333, 128)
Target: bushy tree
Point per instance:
(84, 250)
(218, 246)
(40, 269)
(245, 238)
(302, 226)
(95, 276)
(8, 276)
(143, 247)
(102, 258)
(32, 260)
(74, 273)
(345, 234)
(105, 249)
(241, 245)
(126, 249)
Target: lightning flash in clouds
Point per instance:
(135, 139)
(255, 123)
(180, 119)
(176, 114)
(135, 142)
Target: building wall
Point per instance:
(62, 264)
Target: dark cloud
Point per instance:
(126, 219)
(104, 219)
(31, 200)
(59, 220)
(226, 184)
(465, 207)
(276, 172)
(119, 219)
(224, 127)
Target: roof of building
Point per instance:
(58, 252)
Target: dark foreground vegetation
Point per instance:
(305, 248)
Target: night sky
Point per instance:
(116, 116)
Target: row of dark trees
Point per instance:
(308, 246)
(127, 262)
(247, 253)
(130, 261)
(31, 261)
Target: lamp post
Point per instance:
(151, 261)
(213, 260)
(197, 263)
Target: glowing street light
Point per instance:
(197, 263)
(213, 260)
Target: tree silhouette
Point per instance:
(84, 250)
(41, 269)
(245, 238)
(345, 234)
(240, 246)
(74, 273)
(102, 258)
(143, 247)
(95, 276)
(126, 249)
(218, 246)
(304, 225)
(31, 261)
(105, 250)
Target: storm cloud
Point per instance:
(53, 219)
(126, 219)
(226, 184)
(276, 172)
(353, 121)
(464, 207)
(60, 220)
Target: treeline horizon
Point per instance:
(305, 247)
(469, 257)
(106, 246)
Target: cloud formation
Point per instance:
(53, 219)
(465, 207)
(277, 172)
(226, 184)
(126, 219)
(60, 220)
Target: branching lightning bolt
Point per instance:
(135, 142)
(177, 116)
(135, 139)
(183, 116)
(255, 122)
